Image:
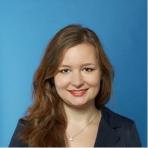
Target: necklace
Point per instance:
(71, 137)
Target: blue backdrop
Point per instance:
(26, 26)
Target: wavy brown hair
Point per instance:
(46, 119)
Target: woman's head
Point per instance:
(77, 80)
(66, 38)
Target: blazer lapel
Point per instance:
(107, 135)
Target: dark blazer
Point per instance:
(114, 131)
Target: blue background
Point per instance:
(26, 26)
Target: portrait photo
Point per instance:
(73, 73)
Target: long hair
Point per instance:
(46, 118)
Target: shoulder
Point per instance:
(22, 122)
(124, 127)
(15, 140)
(115, 119)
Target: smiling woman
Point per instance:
(71, 87)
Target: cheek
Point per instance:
(94, 80)
(60, 82)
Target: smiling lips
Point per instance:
(78, 93)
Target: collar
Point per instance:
(107, 135)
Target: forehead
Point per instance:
(80, 54)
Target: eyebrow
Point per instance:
(86, 64)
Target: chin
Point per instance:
(79, 105)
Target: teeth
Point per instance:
(78, 92)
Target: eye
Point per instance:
(88, 69)
(64, 71)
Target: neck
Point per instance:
(81, 114)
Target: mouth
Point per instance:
(78, 93)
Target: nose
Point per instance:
(77, 80)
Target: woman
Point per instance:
(71, 87)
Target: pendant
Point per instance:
(70, 139)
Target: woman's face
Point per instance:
(78, 79)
